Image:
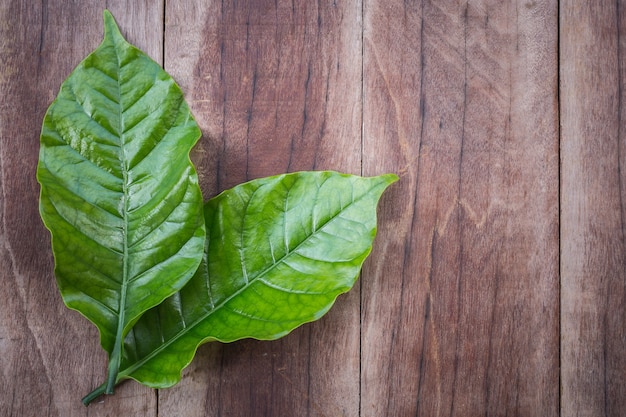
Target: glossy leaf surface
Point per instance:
(118, 191)
(279, 251)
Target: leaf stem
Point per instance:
(114, 365)
(87, 399)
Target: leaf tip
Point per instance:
(390, 178)
(110, 26)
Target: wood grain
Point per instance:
(460, 311)
(593, 289)
(275, 87)
(481, 296)
(50, 356)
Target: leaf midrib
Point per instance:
(116, 353)
(126, 373)
(125, 195)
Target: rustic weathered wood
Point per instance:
(275, 87)
(593, 258)
(50, 356)
(457, 312)
(460, 304)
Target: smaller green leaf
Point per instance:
(279, 251)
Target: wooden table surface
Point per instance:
(497, 283)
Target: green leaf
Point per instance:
(279, 251)
(118, 191)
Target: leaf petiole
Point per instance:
(101, 390)
(114, 367)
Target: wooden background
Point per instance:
(497, 284)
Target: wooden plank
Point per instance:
(275, 87)
(460, 304)
(593, 293)
(50, 356)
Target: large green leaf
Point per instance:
(118, 191)
(279, 251)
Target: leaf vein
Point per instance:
(153, 265)
(78, 230)
(288, 290)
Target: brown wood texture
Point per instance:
(593, 255)
(480, 297)
(465, 295)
